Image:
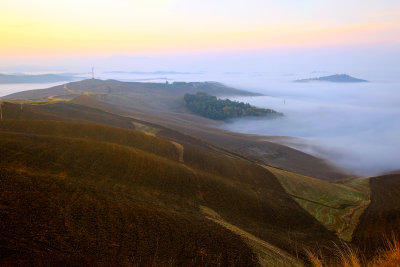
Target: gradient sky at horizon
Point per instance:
(47, 28)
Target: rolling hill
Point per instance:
(149, 96)
(101, 168)
(163, 105)
(86, 180)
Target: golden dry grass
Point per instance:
(157, 171)
(73, 201)
(109, 173)
(388, 256)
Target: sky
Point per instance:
(267, 43)
(75, 28)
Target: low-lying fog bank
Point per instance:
(6, 89)
(357, 126)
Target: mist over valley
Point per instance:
(354, 125)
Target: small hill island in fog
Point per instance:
(337, 78)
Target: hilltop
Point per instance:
(114, 86)
(337, 78)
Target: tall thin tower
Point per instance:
(92, 72)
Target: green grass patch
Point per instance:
(336, 206)
(147, 129)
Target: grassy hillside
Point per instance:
(93, 132)
(268, 255)
(185, 201)
(251, 198)
(156, 96)
(81, 202)
(61, 111)
(337, 206)
(250, 146)
(162, 105)
(70, 111)
(112, 177)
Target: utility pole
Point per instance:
(1, 112)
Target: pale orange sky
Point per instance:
(48, 28)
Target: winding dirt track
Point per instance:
(180, 150)
(268, 255)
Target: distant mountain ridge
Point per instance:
(151, 72)
(336, 78)
(38, 78)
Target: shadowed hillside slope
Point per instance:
(251, 146)
(381, 220)
(79, 202)
(82, 175)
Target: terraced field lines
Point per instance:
(337, 206)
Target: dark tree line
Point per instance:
(218, 109)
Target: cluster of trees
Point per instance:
(218, 109)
